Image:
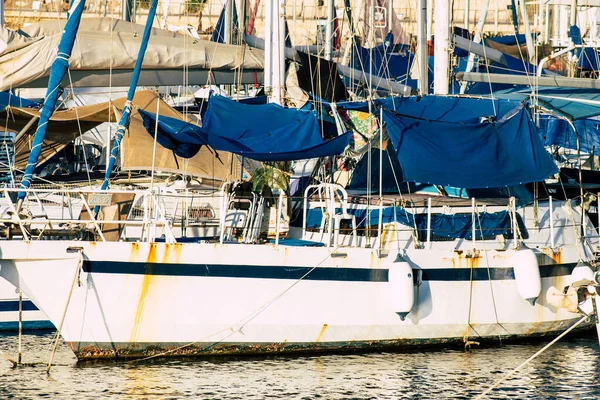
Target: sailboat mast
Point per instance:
(228, 22)
(422, 47)
(126, 114)
(476, 39)
(126, 10)
(57, 72)
(329, 30)
(528, 38)
(274, 49)
(441, 46)
(573, 12)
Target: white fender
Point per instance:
(582, 271)
(527, 274)
(402, 287)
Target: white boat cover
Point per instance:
(29, 54)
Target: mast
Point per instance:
(329, 30)
(275, 49)
(528, 39)
(228, 22)
(422, 47)
(124, 122)
(57, 72)
(476, 39)
(573, 12)
(126, 10)
(441, 46)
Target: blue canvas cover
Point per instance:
(571, 102)
(557, 132)
(509, 40)
(9, 99)
(589, 59)
(443, 226)
(467, 154)
(260, 132)
(446, 108)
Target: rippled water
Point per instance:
(568, 370)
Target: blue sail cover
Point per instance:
(469, 155)
(570, 102)
(9, 99)
(443, 226)
(558, 132)
(446, 108)
(260, 132)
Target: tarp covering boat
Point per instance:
(9, 99)
(447, 108)
(381, 61)
(137, 148)
(260, 132)
(469, 154)
(570, 102)
(441, 226)
(101, 50)
(558, 132)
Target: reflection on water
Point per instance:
(568, 370)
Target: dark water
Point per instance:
(568, 370)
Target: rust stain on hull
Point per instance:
(92, 351)
(320, 336)
(146, 281)
(550, 256)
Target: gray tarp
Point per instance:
(97, 48)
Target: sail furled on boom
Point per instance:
(57, 72)
(126, 114)
(266, 132)
(470, 154)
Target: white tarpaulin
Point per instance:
(100, 49)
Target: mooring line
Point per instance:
(242, 322)
(546, 347)
(13, 362)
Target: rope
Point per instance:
(242, 323)
(543, 349)
(487, 262)
(75, 280)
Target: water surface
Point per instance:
(568, 370)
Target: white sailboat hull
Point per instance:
(143, 299)
(31, 317)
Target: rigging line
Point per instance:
(210, 70)
(576, 228)
(414, 223)
(244, 321)
(492, 98)
(487, 262)
(527, 74)
(511, 373)
(85, 160)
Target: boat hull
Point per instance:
(132, 300)
(31, 318)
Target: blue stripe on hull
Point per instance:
(238, 271)
(317, 274)
(13, 326)
(13, 305)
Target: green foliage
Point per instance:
(271, 176)
(194, 6)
